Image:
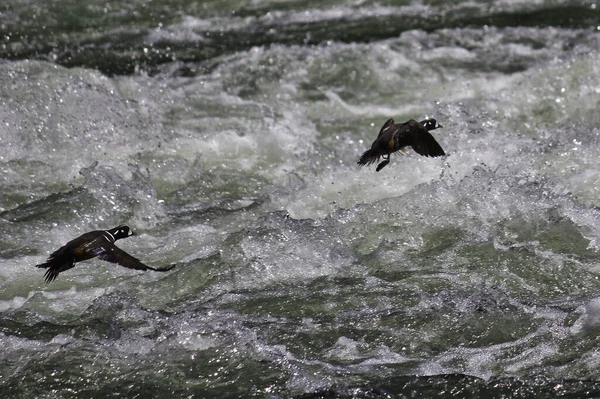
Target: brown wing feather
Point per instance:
(386, 126)
(111, 253)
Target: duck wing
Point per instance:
(113, 254)
(387, 125)
(424, 144)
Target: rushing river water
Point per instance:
(226, 134)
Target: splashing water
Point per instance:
(226, 135)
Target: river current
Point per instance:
(226, 134)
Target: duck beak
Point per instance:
(439, 125)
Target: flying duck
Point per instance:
(100, 243)
(395, 137)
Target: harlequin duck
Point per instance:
(394, 137)
(98, 243)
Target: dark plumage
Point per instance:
(98, 243)
(395, 137)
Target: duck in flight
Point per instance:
(395, 137)
(100, 243)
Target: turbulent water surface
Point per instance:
(226, 134)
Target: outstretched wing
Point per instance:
(424, 144)
(387, 125)
(111, 253)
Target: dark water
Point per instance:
(226, 134)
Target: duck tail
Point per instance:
(55, 265)
(368, 157)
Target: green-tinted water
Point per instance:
(226, 134)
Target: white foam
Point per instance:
(590, 317)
